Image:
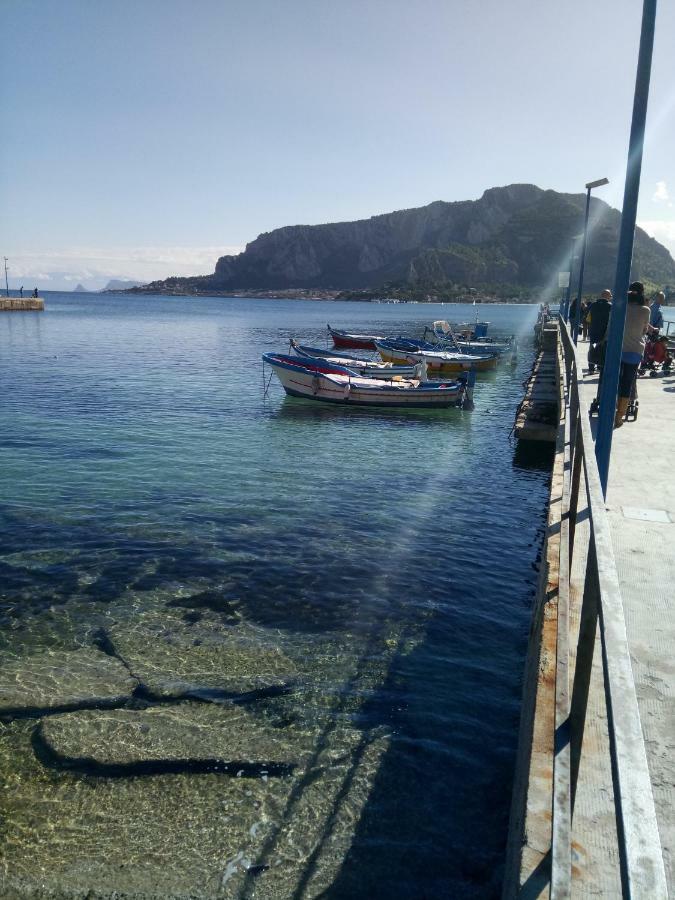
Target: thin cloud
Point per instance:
(661, 194)
(95, 266)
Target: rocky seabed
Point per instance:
(165, 760)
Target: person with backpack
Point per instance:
(598, 320)
(632, 350)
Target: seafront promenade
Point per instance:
(619, 554)
(640, 506)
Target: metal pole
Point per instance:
(566, 310)
(6, 282)
(577, 317)
(610, 374)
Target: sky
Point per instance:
(145, 138)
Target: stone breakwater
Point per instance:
(21, 304)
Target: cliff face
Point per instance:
(517, 235)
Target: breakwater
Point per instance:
(21, 304)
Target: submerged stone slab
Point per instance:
(172, 662)
(188, 736)
(61, 679)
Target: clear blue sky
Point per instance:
(146, 137)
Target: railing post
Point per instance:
(583, 666)
(561, 838)
(577, 460)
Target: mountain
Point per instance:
(512, 238)
(122, 284)
(81, 289)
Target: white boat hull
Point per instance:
(333, 387)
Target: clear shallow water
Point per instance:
(149, 490)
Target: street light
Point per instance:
(573, 257)
(589, 187)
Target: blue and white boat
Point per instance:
(439, 361)
(319, 379)
(370, 367)
(445, 336)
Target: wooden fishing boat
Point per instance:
(438, 362)
(445, 337)
(318, 379)
(370, 367)
(348, 341)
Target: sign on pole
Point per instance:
(563, 279)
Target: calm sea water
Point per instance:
(141, 465)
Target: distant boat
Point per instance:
(441, 362)
(348, 341)
(316, 379)
(372, 368)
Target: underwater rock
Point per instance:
(214, 601)
(60, 680)
(172, 662)
(191, 737)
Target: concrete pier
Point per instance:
(538, 414)
(641, 509)
(640, 512)
(21, 304)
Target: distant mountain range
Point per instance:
(512, 239)
(115, 284)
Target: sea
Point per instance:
(165, 506)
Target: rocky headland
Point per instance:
(509, 243)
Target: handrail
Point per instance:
(641, 860)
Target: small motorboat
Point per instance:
(348, 341)
(373, 368)
(319, 379)
(438, 362)
(447, 337)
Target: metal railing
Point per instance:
(641, 861)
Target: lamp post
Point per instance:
(577, 318)
(573, 256)
(610, 373)
(6, 282)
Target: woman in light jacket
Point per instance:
(637, 325)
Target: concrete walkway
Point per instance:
(641, 509)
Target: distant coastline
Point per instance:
(332, 296)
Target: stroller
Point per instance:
(633, 402)
(656, 358)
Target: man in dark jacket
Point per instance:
(598, 316)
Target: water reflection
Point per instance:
(357, 590)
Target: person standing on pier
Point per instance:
(598, 319)
(35, 292)
(637, 325)
(21, 291)
(655, 314)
